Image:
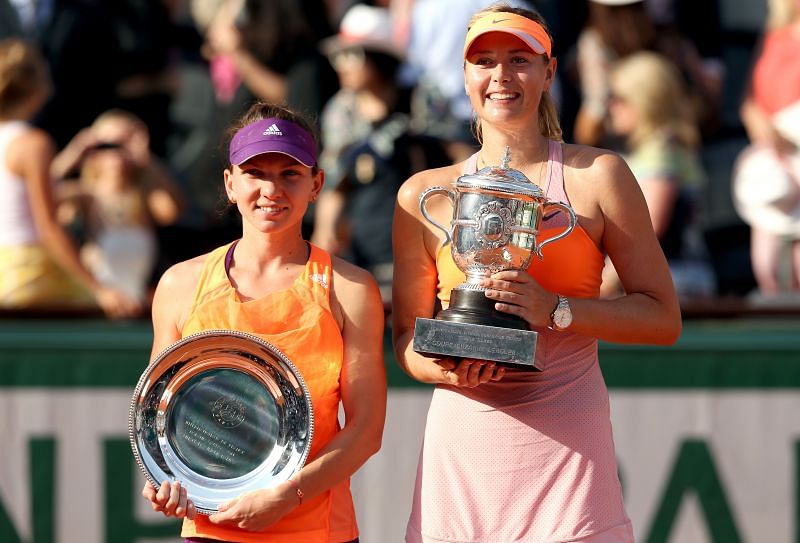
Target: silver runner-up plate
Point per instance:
(223, 413)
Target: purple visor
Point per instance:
(273, 136)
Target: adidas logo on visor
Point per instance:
(273, 130)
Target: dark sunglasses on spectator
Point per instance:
(106, 145)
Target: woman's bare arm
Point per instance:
(34, 152)
(363, 382)
(415, 283)
(648, 313)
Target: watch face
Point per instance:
(562, 317)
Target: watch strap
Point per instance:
(562, 303)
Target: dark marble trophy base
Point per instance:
(472, 328)
(473, 307)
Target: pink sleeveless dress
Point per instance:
(529, 459)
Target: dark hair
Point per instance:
(278, 32)
(625, 29)
(266, 110)
(385, 64)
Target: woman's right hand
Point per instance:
(468, 372)
(69, 159)
(116, 304)
(223, 36)
(171, 499)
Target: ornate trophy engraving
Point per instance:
(223, 412)
(497, 214)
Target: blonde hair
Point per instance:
(120, 115)
(781, 13)
(549, 124)
(650, 84)
(23, 73)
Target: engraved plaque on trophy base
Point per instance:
(507, 346)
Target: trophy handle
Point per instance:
(573, 220)
(427, 193)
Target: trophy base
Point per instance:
(508, 346)
(473, 307)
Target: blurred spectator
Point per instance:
(369, 146)
(766, 180)
(78, 41)
(700, 22)
(440, 107)
(123, 194)
(203, 107)
(42, 269)
(618, 28)
(648, 107)
(271, 46)
(366, 60)
(124, 48)
(144, 71)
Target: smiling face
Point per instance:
(504, 80)
(272, 192)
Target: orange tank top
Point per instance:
(299, 322)
(571, 266)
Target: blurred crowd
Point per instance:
(112, 114)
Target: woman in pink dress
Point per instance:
(512, 455)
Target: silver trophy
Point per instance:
(497, 214)
(223, 412)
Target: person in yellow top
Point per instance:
(325, 314)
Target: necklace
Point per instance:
(481, 163)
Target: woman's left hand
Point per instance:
(256, 510)
(468, 372)
(516, 292)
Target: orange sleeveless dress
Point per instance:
(299, 322)
(529, 458)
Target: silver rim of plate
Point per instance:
(223, 412)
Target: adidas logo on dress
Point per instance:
(273, 130)
(320, 278)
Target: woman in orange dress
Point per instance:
(325, 314)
